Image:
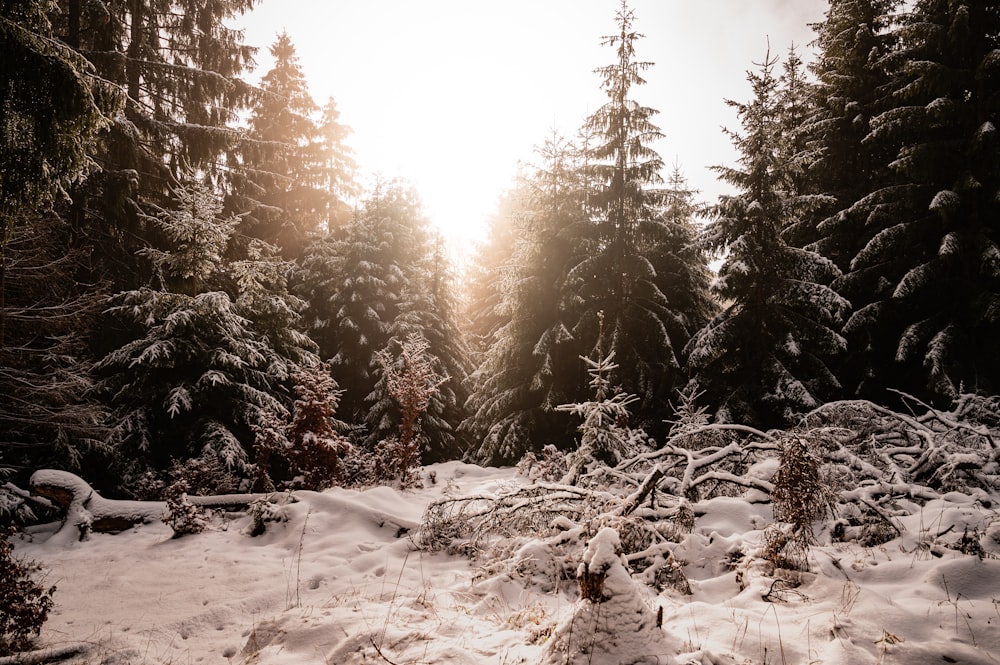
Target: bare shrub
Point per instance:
(800, 497)
(24, 603)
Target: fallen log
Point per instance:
(86, 510)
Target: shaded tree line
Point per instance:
(189, 270)
(185, 258)
(857, 253)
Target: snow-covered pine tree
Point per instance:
(428, 309)
(764, 358)
(851, 73)
(530, 365)
(48, 414)
(52, 111)
(624, 270)
(604, 435)
(934, 252)
(196, 374)
(354, 285)
(179, 64)
(296, 162)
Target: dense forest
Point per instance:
(193, 286)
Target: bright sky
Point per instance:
(452, 94)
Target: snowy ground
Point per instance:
(340, 582)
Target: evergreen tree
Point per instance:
(628, 269)
(48, 415)
(428, 310)
(850, 75)
(935, 249)
(530, 365)
(178, 63)
(198, 372)
(845, 165)
(52, 108)
(354, 287)
(764, 358)
(298, 165)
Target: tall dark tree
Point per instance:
(851, 72)
(934, 242)
(765, 358)
(628, 268)
(179, 63)
(297, 164)
(430, 311)
(52, 108)
(48, 414)
(531, 363)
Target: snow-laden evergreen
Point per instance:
(209, 349)
(930, 262)
(766, 357)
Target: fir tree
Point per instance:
(629, 268)
(935, 250)
(764, 358)
(198, 373)
(299, 165)
(428, 310)
(179, 65)
(852, 71)
(354, 288)
(530, 365)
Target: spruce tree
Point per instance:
(764, 359)
(179, 64)
(354, 286)
(429, 310)
(53, 107)
(629, 269)
(851, 73)
(932, 320)
(530, 365)
(296, 161)
(199, 370)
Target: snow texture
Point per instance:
(341, 582)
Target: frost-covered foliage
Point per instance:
(211, 350)
(24, 603)
(604, 435)
(928, 278)
(850, 471)
(264, 511)
(307, 452)
(766, 359)
(181, 515)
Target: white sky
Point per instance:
(452, 94)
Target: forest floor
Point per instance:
(341, 581)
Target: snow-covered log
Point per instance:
(49, 655)
(88, 511)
